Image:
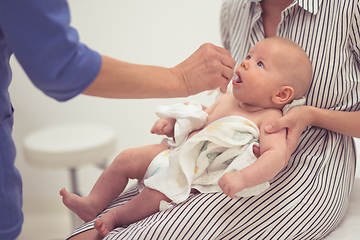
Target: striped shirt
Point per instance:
(309, 197)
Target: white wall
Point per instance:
(155, 32)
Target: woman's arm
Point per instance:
(298, 118)
(347, 123)
(208, 68)
(50, 52)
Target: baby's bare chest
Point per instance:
(228, 110)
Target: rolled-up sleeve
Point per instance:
(47, 47)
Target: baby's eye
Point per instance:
(260, 64)
(248, 57)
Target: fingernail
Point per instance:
(269, 128)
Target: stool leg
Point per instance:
(74, 184)
(102, 165)
(77, 222)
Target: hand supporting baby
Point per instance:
(232, 183)
(295, 122)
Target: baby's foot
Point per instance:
(102, 229)
(81, 206)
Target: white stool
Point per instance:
(70, 146)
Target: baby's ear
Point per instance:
(284, 95)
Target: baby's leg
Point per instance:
(131, 163)
(141, 206)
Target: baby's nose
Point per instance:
(244, 64)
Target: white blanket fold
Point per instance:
(225, 145)
(188, 118)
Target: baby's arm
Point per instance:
(165, 126)
(271, 161)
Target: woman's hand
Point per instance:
(298, 118)
(208, 68)
(295, 121)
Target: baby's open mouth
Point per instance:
(236, 78)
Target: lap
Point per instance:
(216, 216)
(305, 201)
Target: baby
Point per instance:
(276, 71)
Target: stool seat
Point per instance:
(69, 146)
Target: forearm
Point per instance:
(207, 68)
(261, 171)
(347, 123)
(118, 79)
(265, 168)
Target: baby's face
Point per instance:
(261, 74)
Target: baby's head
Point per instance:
(275, 72)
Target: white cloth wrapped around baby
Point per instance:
(198, 162)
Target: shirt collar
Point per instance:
(309, 5)
(312, 6)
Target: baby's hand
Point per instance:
(232, 183)
(164, 126)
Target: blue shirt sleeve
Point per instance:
(47, 47)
